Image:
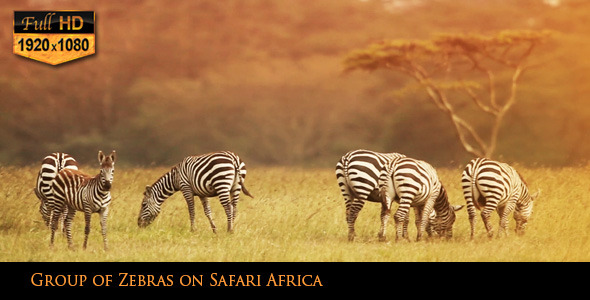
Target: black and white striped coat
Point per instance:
(357, 174)
(415, 183)
(489, 185)
(50, 166)
(220, 174)
(76, 191)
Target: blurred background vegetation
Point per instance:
(264, 78)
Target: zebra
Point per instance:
(75, 191)
(219, 174)
(50, 166)
(415, 183)
(490, 185)
(357, 174)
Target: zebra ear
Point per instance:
(457, 207)
(100, 156)
(536, 195)
(113, 156)
(148, 190)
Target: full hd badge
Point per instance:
(54, 37)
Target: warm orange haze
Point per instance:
(265, 79)
(291, 86)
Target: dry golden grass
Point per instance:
(297, 215)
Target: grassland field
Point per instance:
(296, 215)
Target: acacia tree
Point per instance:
(440, 65)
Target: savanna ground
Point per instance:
(296, 215)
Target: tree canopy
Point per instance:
(440, 64)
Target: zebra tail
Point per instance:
(240, 179)
(384, 180)
(245, 190)
(475, 194)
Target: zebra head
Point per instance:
(107, 169)
(442, 224)
(523, 212)
(150, 208)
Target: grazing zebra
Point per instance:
(357, 174)
(77, 191)
(490, 185)
(50, 166)
(219, 174)
(415, 183)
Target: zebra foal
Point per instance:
(75, 191)
(220, 174)
(490, 185)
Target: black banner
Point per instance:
(422, 280)
(77, 22)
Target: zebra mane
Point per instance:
(166, 185)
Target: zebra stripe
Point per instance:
(220, 174)
(75, 191)
(357, 174)
(490, 185)
(50, 166)
(415, 183)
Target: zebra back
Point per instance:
(358, 171)
(209, 173)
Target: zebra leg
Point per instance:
(348, 203)
(53, 223)
(103, 226)
(504, 212)
(405, 234)
(69, 218)
(385, 212)
(352, 211)
(234, 202)
(485, 216)
(190, 202)
(87, 217)
(207, 210)
(423, 218)
(401, 217)
(472, 219)
(62, 220)
(225, 199)
(418, 213)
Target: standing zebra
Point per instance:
(357, 174)
(415, 183)
(219, 174)
(489, 185)
(75, 191)
(50, 166)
